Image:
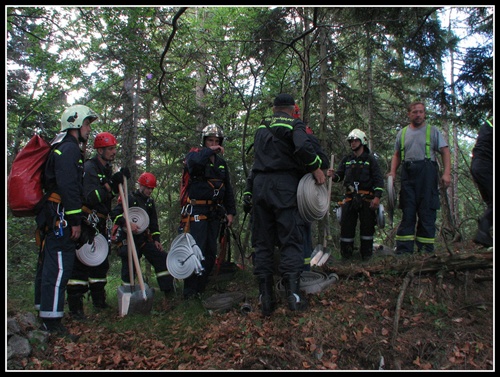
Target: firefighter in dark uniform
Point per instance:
(211, 201)
(416, 148)
(364, 186)
(282, 152)
(60, 218)
(482, 173)
(100, 186)
(247, 194)
(147, 243)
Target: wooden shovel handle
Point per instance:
(130, 241)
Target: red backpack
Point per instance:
(184, 197)
(25, 180)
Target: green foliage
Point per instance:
(224, 65)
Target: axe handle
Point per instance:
(124, 197)
(130, 241)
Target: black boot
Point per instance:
(55, 327)
(75, 304)
(266, 297)
(366, 249)
(346, 250)
(483, 235)
(99, 299)
(291, 281)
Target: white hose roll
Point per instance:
(93, 254)
(312, 199)
(139, 217)
(184, 257)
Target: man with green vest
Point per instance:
(416, 149)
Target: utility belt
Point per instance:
(197, 202)
(194, 218)
(92, 220)
(56, 198)
(408, 164)
(365, 195)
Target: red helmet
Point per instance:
(104, 139)
(148, 180)
(296, 112)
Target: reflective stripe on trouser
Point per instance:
(419, 201)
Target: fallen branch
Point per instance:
(421, 263)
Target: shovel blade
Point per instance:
(131, 300)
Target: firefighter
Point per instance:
(282, 153)
(147, 242)
(210, 202)
(364, 185)
(416, 148)
(60, 218)
(100, 186)
(482, 173)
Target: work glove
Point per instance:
(116, 179)
(125, 172)
(247, 203)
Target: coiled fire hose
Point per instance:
(312, 199)
(184, 257)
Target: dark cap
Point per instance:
(284, 100)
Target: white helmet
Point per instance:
(358, 134)
(212, 130)
(74, 116)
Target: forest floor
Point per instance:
(378, 315)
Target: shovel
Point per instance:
(320, 254)
(130, 300)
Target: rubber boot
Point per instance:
(75, 304)
(55, 327)
(99, 299)
(291, 281)
(267, 298)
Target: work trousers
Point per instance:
(277, 221)
(205, 233)
(419, 201)
(352, 211)
(54, 268)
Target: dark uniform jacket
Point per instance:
(64, 176)
(208, 179)
(97, 197)
(363, 169)
(274, 146)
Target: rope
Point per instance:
(184, 257)
(311, 282)
(312, 199)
